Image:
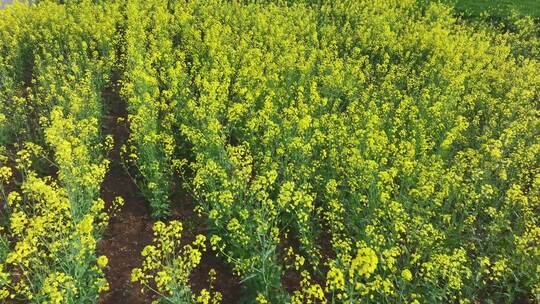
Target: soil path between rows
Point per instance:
(130, 230)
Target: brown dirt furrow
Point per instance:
(131, 228)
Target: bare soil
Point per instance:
(130, 230)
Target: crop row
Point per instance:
(55, 61)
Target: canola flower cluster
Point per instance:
(55, 61)
(167, 266)
(393, 144)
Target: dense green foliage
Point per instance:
(498, 7)
(381, 151)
